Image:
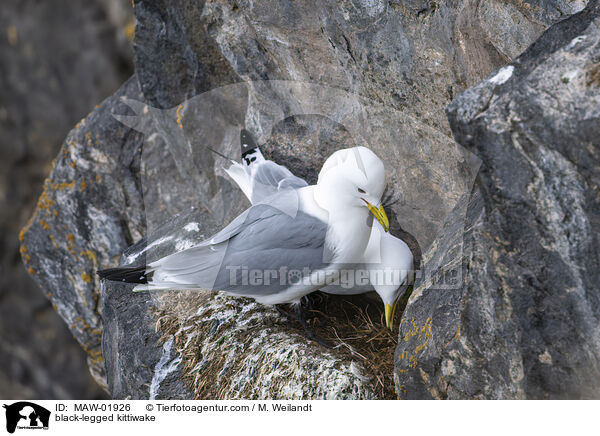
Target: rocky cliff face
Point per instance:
(57, 61)
(115, 181)
(524, 321)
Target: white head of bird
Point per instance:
(384, 252)
(352, 179)
(390, 274)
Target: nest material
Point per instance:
(356, 325)
(236, 348)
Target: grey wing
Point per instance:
(255, 261)
(269, 177)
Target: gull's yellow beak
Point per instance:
(380, 215)
(390, 309)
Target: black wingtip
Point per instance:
(247, 144)
(135, 274)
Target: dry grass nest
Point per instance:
(354, 326)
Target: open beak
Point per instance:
(390, 309)
(380, 215)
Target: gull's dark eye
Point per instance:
(362, 191)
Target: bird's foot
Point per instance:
(307, 330)
(300, 318)
(308, 301)
(282, 311)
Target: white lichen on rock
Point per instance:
(163, 368)
(502, 75)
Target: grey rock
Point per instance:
(58, 60)
(131, 348)
(80, 222)
(523, 321)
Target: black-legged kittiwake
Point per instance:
(387, 260)
(285, 246)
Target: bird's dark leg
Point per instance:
(282, 311)
(307, 330)
(308, 302)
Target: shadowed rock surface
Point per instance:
(524, 322)
(112, 184)
(58, 60)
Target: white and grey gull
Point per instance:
(313, 231)
(387, 260)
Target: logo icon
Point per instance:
(26, 415)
